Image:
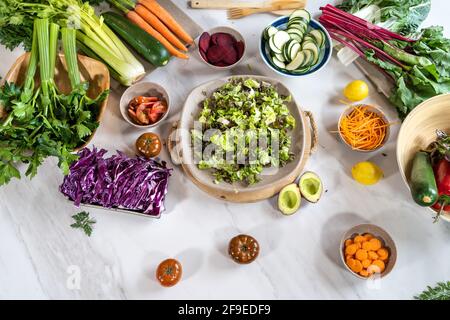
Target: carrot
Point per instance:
(363, 129)
(159, 26)
(168, 20)
(139, 21)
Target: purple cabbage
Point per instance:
(137, 184)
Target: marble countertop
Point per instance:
(42, 257)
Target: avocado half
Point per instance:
(289, 199)
(310, 186)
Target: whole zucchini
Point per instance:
(423, 184)
(147, 46)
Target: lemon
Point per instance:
(367, 173)
(356, 90)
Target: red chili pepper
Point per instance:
(442, 175)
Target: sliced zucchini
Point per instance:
(301, 70)
(309, 56)
(280, 38)
(280, 57)
(319, 36)
(300, 13)
(294, 50)
(272, 46)
(270, 31)
(309, 38)
(278, 63)
(314, 49)
(296, 62)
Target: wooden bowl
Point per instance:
(419, 130)
(304, 141)
(377, 232)
(90, 70)
(371, 108)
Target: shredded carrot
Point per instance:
(363, 129)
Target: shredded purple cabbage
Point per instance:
(137, 184)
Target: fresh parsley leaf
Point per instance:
(440, 292)
(84, 222)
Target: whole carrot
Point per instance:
(139, 21)
(168, 20)
(153, 20)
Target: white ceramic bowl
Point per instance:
(372, 109)
(143, 89)
(228, 30)
(377, 232)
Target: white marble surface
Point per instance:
(299, 258)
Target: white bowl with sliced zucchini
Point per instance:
(295, 45)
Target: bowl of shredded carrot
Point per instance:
(364, 128)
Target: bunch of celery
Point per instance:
(94, 37)
(40, 121)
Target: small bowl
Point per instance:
(228, 30)
(325, 54)
(143, 89)
(377, 232)
(372, 109)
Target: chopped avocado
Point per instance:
(289, 199)
(310, 186)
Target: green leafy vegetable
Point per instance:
(16, 18)
(246, 126)
(36, 123)
(84, 222)
(440, 292)
(401, 16)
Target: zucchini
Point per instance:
(297, 62)
(278, 63)
(280, 38)
(270, 31)
(273, 47)
(318, 36)
(148, 47)
(423, 184)
(300, 13)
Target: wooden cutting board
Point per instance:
(227, 4)
(191, 27)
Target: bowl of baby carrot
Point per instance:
(364, 128)
(368, 251)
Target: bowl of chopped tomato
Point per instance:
(144, 105)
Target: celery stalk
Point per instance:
(54, 31)
(127, 72)
(42, 27)
(70, 54)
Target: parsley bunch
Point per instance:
(39, 122)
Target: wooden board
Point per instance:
(191, 27)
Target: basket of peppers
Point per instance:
(430, 176)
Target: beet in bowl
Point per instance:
(221, 47)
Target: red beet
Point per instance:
(223, 39)
(203, 54)
(240, 49)
(230, 55)
(204, 41)
(221, 64)
(215, 54)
